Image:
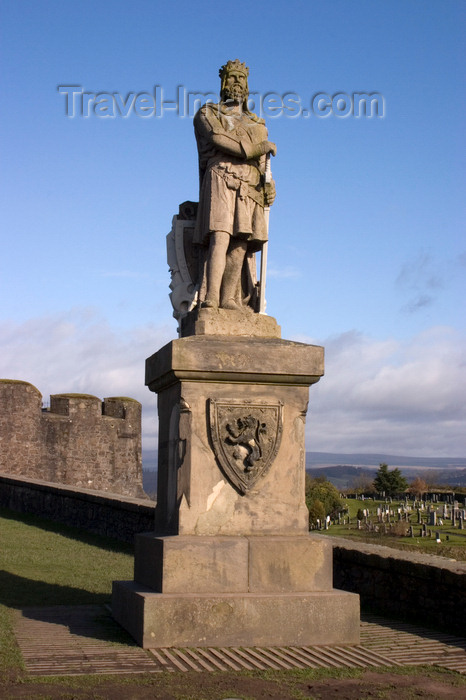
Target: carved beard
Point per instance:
(235, 92)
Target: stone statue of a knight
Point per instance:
(232, 145)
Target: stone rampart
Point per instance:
(417, 587)
(101, 514)
(80, 441)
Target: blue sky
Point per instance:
(367, 250)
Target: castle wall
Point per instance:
(80, 441)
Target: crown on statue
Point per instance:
(234, 65)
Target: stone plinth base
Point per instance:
(235, 619)
(231, 323)
(228, 591)
(176, 564)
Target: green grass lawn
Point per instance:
(454, 547)
(43, 563)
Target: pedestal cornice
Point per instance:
(235, 359)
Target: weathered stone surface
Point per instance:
(176, 564)
(92, 511)
(195, 496)
(231, 562)
(235, 193)
(81, 441)
(219, 321)
(164, 620)
(239, 566)
(409, 585)
(196, 492)
(248, 360)
(286, 564)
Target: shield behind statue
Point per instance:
(246, 437)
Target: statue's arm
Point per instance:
(228, 145)
(255, 150)
(210, 131)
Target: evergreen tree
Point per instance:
(389, 482)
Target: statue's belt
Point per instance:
(234, 182)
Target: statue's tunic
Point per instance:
(231, 197)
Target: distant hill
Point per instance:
(329, 459)
(344, 469)
(342, 476)
(149, 482)
(149, 460)
(335, 459)
(447, 471)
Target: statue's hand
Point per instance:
(269, 193)
(262, 148)
(270, 148)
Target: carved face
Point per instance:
(235, 86)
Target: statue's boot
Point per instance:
(209, 304)
(231, 304)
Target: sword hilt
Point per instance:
(268, 170)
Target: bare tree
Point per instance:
(418, 487)
(362, 483)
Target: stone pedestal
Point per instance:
(231, 561)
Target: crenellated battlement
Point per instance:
(79, 441)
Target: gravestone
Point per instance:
(231, 561)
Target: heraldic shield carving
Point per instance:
(246, 436)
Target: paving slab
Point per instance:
(84, 639)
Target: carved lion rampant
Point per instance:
(246, 437)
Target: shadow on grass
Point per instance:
(74, 533)
(90, 621)
(82, 612)
(18, 592)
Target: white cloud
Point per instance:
(376, 396)
(392, 396)
(79, 352)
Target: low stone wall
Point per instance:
(417, 587)
(103, 514)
